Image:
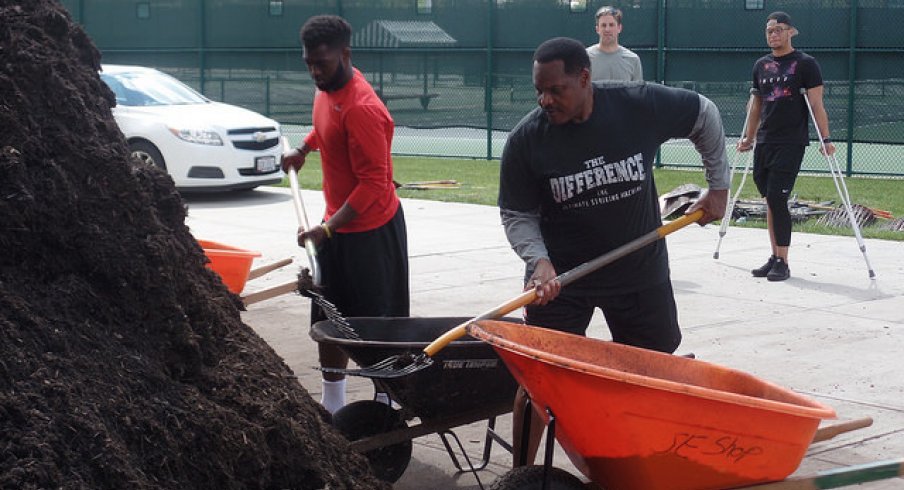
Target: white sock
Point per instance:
(333, 396)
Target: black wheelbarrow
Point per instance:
(467, 383)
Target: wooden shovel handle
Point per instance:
(565, 278)
(302, 216)
(459, 331)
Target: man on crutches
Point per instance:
(778, 123)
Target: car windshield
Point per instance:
(150, 89)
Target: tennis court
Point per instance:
(870, 158)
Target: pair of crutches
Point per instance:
(834, 169)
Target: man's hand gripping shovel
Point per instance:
(405, 364)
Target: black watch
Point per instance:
(826, 140)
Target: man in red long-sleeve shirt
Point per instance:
(362, 242)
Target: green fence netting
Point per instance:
(456, 74)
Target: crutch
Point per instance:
(838, 179)
(729, 206)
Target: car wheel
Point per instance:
(531, 478)
(370, 418)
(147, 153)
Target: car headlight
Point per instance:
(199, 136)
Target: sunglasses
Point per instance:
(608, 11)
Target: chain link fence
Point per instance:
(456, 74)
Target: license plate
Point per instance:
(265, 164)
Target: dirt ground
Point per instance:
(123, 361)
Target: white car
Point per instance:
(202, 144)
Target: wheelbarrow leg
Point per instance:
(525, 432)
(550, 447)
(550, 441)
(493, 436)
(444, 435)
(489, 438)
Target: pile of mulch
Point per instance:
(123, 360)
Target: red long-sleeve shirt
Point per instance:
(353, 131)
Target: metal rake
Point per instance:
(331, 311)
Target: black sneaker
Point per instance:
(780, 271)
(764, 270)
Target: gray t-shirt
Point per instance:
(575, 191)
(622, 65)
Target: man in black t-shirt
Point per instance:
(577, 181)
(778, 122)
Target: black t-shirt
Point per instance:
(783, 113)
(592, 182)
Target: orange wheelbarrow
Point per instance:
(233, 264)
(634, 419)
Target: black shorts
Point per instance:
(775, 167)
(647, 318)
(366, 273)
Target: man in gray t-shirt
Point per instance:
(609, 60)
(576, 182)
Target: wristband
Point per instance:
(326, 229)
(826, 141)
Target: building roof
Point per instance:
(402, 33)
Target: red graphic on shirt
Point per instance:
(779, 81)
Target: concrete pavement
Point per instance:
(828, 332)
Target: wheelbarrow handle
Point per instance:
(265, 269)
(303, 223)
(565, 279)
(826, 433)
(270, 292)
(839, 477)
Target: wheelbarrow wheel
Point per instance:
(370, 418)
(531, 478)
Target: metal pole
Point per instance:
(852, 79)
(425, 73)
(660, 57)
(267, 96)
(840, 186)
(660, 41)
(380, 58)
(488, 84)
(202, 39)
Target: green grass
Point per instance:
(479, 180)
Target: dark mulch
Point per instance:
(123, 361)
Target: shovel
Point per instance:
(405, 364)
(328, 308)
(303, 222)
